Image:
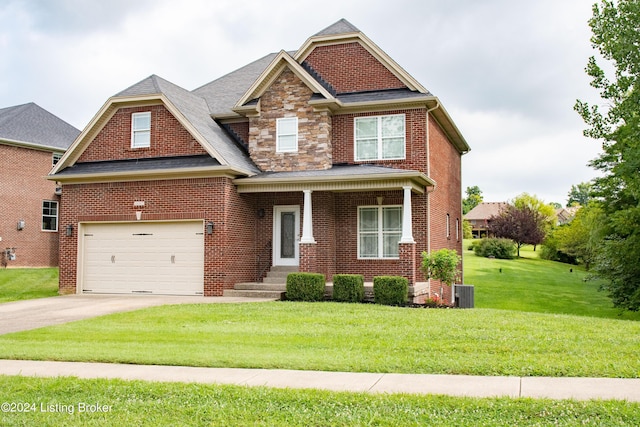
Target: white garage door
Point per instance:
(143, 257)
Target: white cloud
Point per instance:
(508, 71)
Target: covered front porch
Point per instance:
(367, 220)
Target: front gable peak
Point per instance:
(342, 33)
(283, 60)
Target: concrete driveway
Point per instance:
(37, 313)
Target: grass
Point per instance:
(27, 283)
(151, 404)
(534, 285)
(344, 337)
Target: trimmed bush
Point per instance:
(348, 287)
(305, 286)
(497, 248)
(390, 290)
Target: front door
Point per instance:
(286, 235)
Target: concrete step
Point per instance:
(284, 268)
(255, 286)
(278, 295)
(278, 274)
(275, 280)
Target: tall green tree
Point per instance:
(473, 199)
(616, 36)
(580, 194)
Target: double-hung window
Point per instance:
(287, 134)
(379, 231)
(49, 215)
(141, 130)
(380, 137)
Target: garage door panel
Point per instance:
(166, 258)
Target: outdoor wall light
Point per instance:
(70, 230)
(210, 227)
(20, 225)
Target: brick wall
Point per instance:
(445, 169)
(343, 135)
(349, 67)
(229, 251)
(168, 137)
(288, 96)
(22, 190)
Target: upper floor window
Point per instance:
(287, 134)
(49, 215)
(379, 231)
(141, 130)
(55, 158)
(380, 137)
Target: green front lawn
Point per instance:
(344, 337)
(27, 283)
(136, 403)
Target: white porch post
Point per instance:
(407, 225)
(307, 222)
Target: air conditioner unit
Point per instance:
(463, 295)
(58, 191)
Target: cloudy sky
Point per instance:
(507, 71)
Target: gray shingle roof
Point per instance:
(340, 27)
(223, 93)
(335, 171)
(485, 210)
(131, 165)
(380, 95)
(196, 111)
(33, 125)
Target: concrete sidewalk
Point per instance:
(452, 385)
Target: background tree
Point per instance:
(473, 199)
(580, 194)
(523, 225)
(546, 211)
(614, 26)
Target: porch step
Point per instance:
(254, 293)
(255, 286)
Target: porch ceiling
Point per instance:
(348, 178)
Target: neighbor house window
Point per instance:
(55, 158)
(287, 134)
(380, 137)
(49, 215)
(141, 130)
(379, 231)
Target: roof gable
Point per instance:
(270, 74)
(32, 126)
(343, 32)
(189, 109)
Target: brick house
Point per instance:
(330, 159)
(31, 142)
(480, 216)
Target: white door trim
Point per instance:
(278, 259)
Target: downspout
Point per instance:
(429, 192)
(429, 175)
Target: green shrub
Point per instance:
(497, 248)
(348, 287)
(390, 290)
(305, 286)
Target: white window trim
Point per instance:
(135, 131)
(57, 216)
(380, 209)
(278, 148)
(379, 124)
(448, 226)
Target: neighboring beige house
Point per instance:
(479, 216)
(566, 215)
